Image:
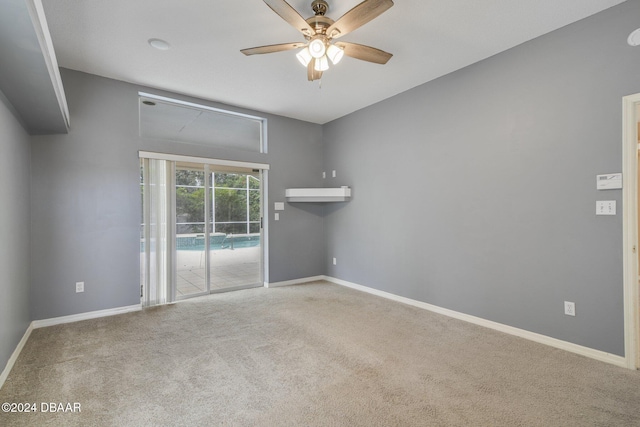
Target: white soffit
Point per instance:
(29, 75)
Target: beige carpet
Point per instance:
(309, 355)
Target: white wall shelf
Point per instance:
(341, 194)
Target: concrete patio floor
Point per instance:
(228, 269)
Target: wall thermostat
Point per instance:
(612, 181)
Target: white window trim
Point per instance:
(203, 160)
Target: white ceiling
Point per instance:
(428, 38)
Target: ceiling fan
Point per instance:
(320, 31)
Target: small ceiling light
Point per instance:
(634, 38)
(304, 56)
(159, 44)
(317, 48)
(322, 64)
(147, 102)
(335, 54)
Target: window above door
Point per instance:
(180, 121)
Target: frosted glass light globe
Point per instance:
(317, 48)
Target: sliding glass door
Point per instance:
(211, 233)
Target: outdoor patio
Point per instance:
(229, 268)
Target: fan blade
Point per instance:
(312, 73)
(365, 53)
(272, 48)
(357, 17)
(289, 14)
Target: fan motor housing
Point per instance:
(320, 23)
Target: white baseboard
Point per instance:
(14, 356)
(294, 281)
(532, 336)
(84, 316)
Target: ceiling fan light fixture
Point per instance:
(320, 32)
(304, 56)
(322, 64)
(317, 48)
(335, 54)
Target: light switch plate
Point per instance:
(278, 206)
(606, 207)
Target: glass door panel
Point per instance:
(234, 258)
(190, 230)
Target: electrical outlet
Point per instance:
(569, 308)
(79, 287)
(335, 261)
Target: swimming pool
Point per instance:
(217, 241)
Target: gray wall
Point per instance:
(86, 207)
(14, 232)
(476, 191)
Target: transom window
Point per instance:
(180, 121)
